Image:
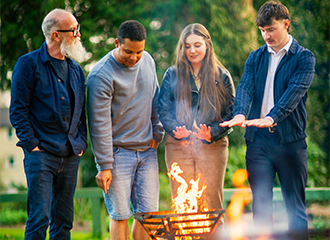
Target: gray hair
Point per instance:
(51, 22)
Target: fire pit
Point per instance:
(186, 222)
(177, 226)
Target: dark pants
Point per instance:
(51, 185)
(265, 157)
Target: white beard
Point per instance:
(74, 50)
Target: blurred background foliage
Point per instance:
(234, 35)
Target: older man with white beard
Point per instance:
(47, 110)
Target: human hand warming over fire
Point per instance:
(260, 122)
(203, 132)
(238, 120)
(103, 179)
(181, 132)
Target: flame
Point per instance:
(186, 201)
(239, 177)
(235, 209)
(236, 206)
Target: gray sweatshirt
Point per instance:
(122, 107)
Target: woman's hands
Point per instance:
(181, 132)
(203, 132)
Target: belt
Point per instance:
(272, 129)
(140, 149)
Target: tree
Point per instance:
(230, 23)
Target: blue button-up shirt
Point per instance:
(40, 108)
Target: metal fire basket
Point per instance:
(172, 226)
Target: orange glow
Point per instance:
(236, 206)
(263, 237)
(239, 177)
(185, 143)
(186, 201)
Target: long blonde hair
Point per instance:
(212, 98)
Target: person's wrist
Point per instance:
(239, 116)
(270, 118)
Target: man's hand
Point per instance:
(203, 133)
(103, 179)
(238, 120)
(260, 122)
(153, 144)
(181, 132)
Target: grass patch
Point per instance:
(18, 234)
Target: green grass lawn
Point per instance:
(13, 233)
(18, 234)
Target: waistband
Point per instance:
(133, 149)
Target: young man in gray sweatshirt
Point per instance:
(124, 127)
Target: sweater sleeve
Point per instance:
(99, 97)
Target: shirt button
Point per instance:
(59, 80)
(62, 98)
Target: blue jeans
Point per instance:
(51, 184)
(134, 180)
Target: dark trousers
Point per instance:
(51, 185)
(265, 157)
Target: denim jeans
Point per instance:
(51, 184)
(134, 181)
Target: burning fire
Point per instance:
(236, 206)
(186, 201)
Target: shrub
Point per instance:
(12, 217)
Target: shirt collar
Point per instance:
(285, 48)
